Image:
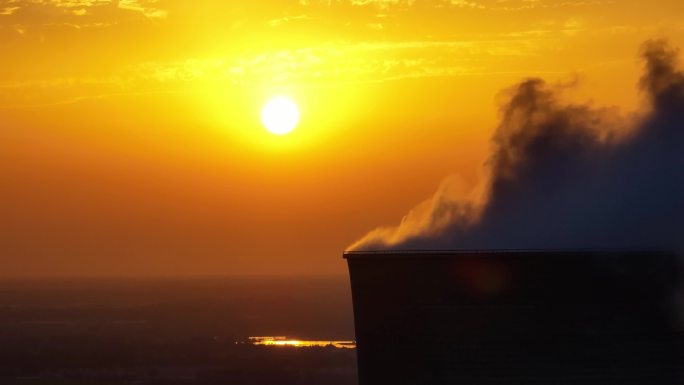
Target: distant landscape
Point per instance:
(174, 331)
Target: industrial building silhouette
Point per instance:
(517, 317)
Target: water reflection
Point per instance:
(285, 341)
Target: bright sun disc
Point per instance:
(280, 115)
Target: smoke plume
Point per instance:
(564, 175)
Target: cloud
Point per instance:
(567, 175)
(383, 3)
(498, 5)
(325, 64)
(6, 11)
(54, 12)
(344, 63)
(73, 3)
(146, 7)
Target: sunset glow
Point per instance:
(134, 137)
(475, 191)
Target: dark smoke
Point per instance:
(567, 176)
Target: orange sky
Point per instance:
(130, 140)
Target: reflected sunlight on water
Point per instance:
(285, 341)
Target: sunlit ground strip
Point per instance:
(284, 341)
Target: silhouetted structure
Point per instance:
(517, 317)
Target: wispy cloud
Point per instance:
(42, 12)
(149, 8)
(357, 62)
(479, 4)
(512, 5)
(6, 11)
(384, 4)
(355, 41)
(70, 3)
(327, 64)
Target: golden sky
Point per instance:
(130, 139)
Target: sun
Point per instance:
(280, 115)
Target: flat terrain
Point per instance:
(174, 331)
